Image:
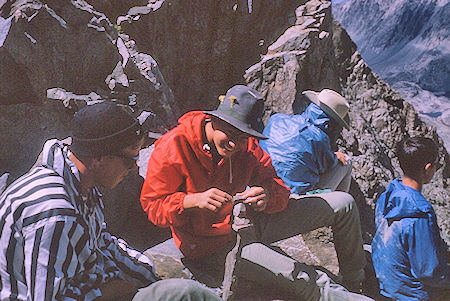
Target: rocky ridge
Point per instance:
(298, 48)
(407, 44)
(317, 53)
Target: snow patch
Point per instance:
(432, 109)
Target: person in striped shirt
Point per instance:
(53, 242)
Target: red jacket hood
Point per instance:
(192, 123)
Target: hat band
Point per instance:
(106, 145)
(233, 113)
(108, 136)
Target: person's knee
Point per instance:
(193, 290)
(347, 199)
(342, 201)
(175, 289)
(346, 210)
(184, 286)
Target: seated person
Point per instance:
(409, 256)
(301, 146)
(54, 245)
(198, 167)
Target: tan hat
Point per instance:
(332, 104)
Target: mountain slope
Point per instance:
(407, 43)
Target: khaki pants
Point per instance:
(175, 290)
(269, 268)
(305, 213)
(265, 266)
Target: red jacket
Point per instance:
(180, 165)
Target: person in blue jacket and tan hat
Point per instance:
(301, 149)
(302, 146)
(409, 255)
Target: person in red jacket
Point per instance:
(200, 166)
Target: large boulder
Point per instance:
(57, 48)
(203, 47)
(68, 51)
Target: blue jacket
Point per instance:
(299, 147)
(409, 256)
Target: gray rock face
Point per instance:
(23, 130)
(68, 51)
(203, 47)
(406, 43)
(115, 8)
(302, 58)
(57, 33)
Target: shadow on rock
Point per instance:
(126, 219)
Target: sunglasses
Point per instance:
(127, 160)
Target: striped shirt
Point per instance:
(53, 243)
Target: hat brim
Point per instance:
(314, 98)
(244, 127)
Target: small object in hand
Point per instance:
(237, 199)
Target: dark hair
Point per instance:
(414, 153)
(333, 131)
(104, 129)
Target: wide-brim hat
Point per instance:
(332, 104)
(242, 107)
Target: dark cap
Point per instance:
(242, 107)
(104, 128)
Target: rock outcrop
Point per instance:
(203, 47)
(66, 50)
(317, 53)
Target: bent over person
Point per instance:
(53, 243)
(212, 158)
(302, 146)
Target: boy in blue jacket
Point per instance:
(409, 256)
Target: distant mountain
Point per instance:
(407, 43)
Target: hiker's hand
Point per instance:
(211, 199)
(343, 158)
(256, 197)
